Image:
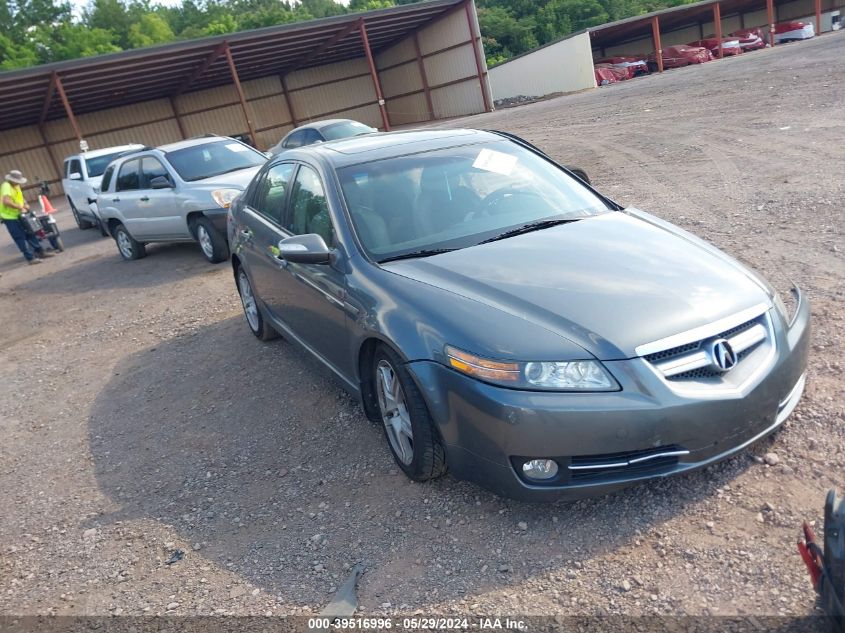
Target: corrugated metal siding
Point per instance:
(681, 36)
(313, 103)
(566, 66)
(227, 121)
(457, 63)
(329, 72)
(202, 99)
(35, 165)
(401, 79)
(446, 32)
(401, 52)
(406, 110)
(20, 137)
(269, 112)
(263, 87)
(458, 100)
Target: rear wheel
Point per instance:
(254, 319)
(212, 244)
(82, 224)
(408, 426)
(128, 247)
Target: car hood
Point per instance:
(608, 283)
(233, 180)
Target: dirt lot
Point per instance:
(139, 414)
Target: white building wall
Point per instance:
(566, 66)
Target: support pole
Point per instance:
(717, 23)
(770, 16)
(178, 118)
(374, 74)
(424, 78)
(61, 90)
(241, 96)
(288, 101)
(655, 35)
(48, 100)
(474, 36)
(818, 17)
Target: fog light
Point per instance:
(540, 468)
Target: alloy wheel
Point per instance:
(124, 244)
(205, 241)
(248, 301)
(394, 412)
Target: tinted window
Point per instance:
(458, 197)
(308, 211)
(75, 166)
(272, 191)
(127, 177)
(104, 185)
(296, 139)
(213, 159)
(151, 168)
(345, 129)
(96, 166)
(312, 136)
(67, 168)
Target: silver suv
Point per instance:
(176, 193)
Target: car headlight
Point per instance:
(577, 375)
(225, 197)
(789, 307)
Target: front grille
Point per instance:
(692, 361)
(611, 466)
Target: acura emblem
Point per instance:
(722, 355)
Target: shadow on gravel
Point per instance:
(254, 451)
(164, 264)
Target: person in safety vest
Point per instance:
(12, 205)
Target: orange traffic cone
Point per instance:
(45, 204)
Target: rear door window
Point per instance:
(151, 168)
(127, 177)
(272, 192)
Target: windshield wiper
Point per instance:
(527, 228)
(416, 254)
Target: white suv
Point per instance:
(81, 181)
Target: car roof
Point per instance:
(192, 142)
(94, 153)
(372, 147)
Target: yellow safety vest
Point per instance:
(15, 193)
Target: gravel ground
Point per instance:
(140, 416)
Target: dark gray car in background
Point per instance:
(503, 320)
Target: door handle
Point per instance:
(145, 199)
(246, 233)
(115, 199)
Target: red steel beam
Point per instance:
(717, 23)
(424, 77)
(655, 35)
(241, 95)
(178, 118)
(288, 101)
(374, 74)
(51, 90)
(201, 69)
(475, 36)
(770, 18)
(68, 109)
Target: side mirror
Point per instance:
(304, 249)
(75, 176)
(161, 182)
(579, 173)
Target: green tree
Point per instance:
(151, 29)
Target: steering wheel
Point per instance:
(491, 201)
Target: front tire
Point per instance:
(82, 224)
(212, 244)
(254, 319)
(408, 426)
(128, 247)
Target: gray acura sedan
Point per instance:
(503, 320)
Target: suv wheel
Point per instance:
(408, 426)
(128, 246)
(212, 244)
(82, 224)
(254, 318)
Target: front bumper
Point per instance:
(487, 429)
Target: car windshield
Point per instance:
(213, 159)
(97, 165)
(345, 129)
(458, 197)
